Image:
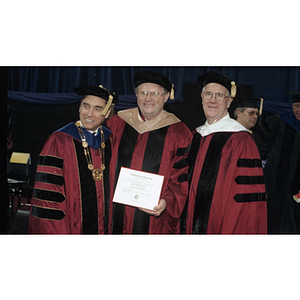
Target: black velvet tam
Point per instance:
(213, 77)
(296, 96)
(95, 91)
(247, 102)
(152, 77)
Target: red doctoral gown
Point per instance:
(227, 190)
(66, 199)
(157, 146)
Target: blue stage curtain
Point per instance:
(269, 83)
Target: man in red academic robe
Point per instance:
(226, 182)
(147, 138)
(71, 190)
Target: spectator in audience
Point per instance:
(247, 112)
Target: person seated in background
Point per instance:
(247, 112)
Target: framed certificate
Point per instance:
(138, 188)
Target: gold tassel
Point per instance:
(107, 107)
(110, 99)
(261, 106)
(172, 92)
(233, 89)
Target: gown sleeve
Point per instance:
(48, 210)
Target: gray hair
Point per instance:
(241, 109)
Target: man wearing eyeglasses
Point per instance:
(247, 112)
(147, 138)
(226, 182)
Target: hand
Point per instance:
(157, 210)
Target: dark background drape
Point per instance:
(269, 83)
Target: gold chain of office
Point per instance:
(96, 173)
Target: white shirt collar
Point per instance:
(226, 124)
(92, 132)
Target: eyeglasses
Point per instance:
(219, 96)
(252, 113)
(153, 95)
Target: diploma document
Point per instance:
(138, 188)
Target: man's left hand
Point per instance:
(157, 210)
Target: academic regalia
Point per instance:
(289, 118)
(66, 198)
(283, 176)
(157, 146)
(263, 134)
(226, 182)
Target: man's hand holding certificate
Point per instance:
(139, 189)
